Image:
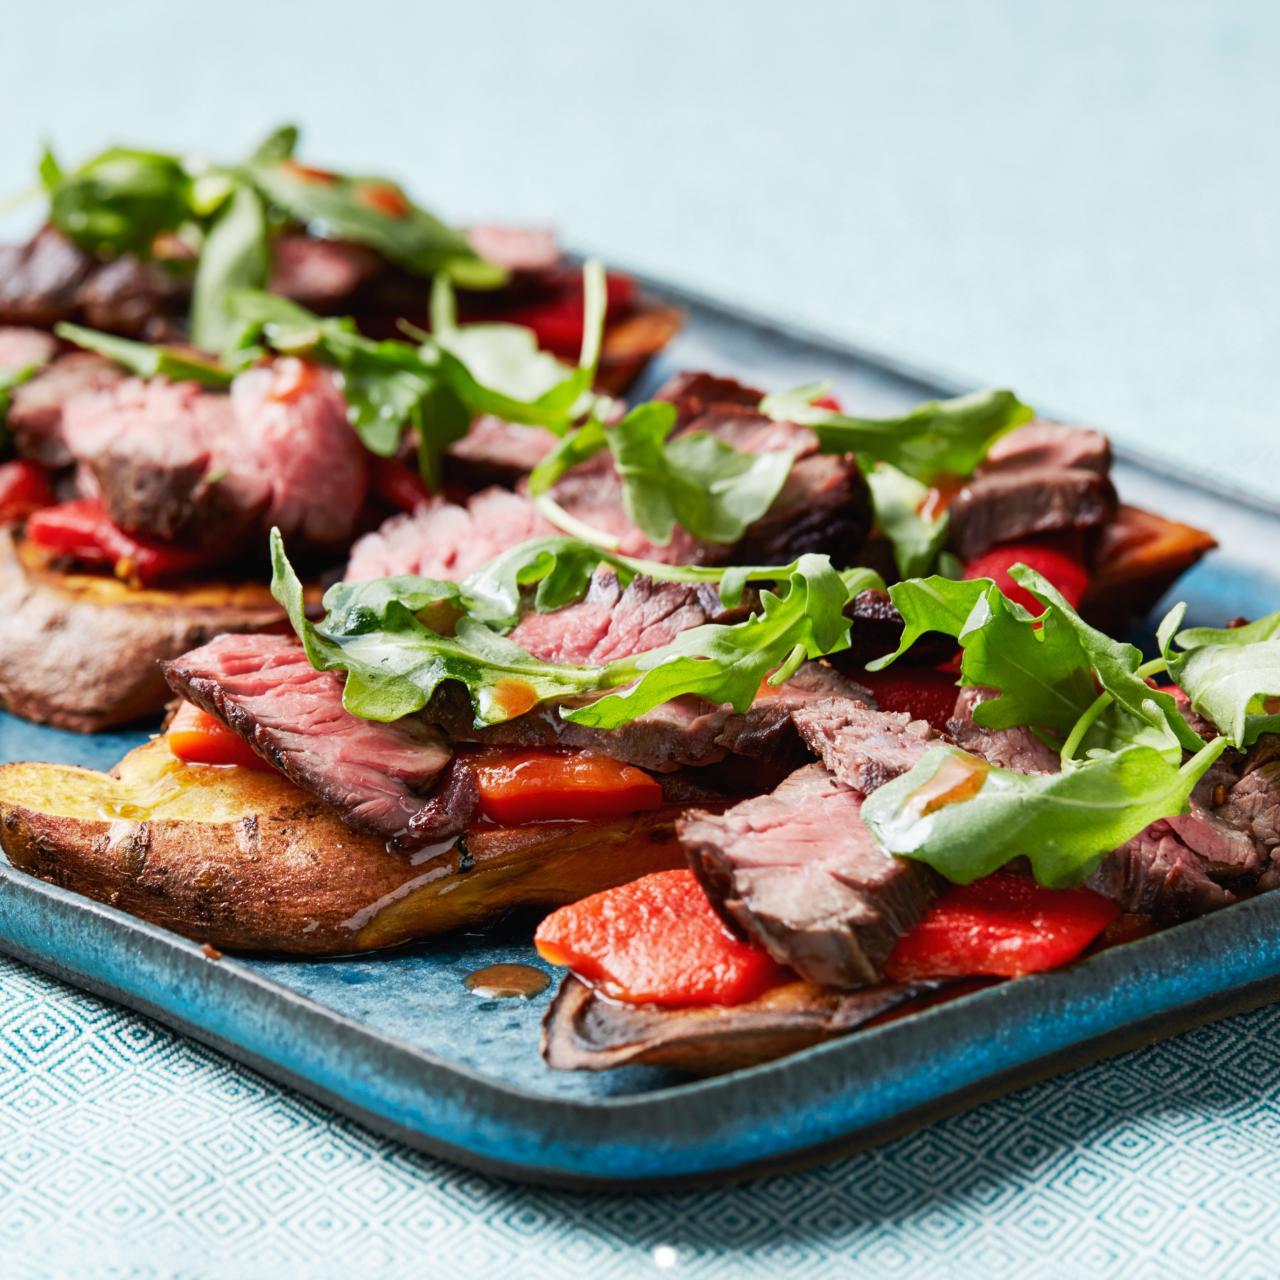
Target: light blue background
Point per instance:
(1078, 200)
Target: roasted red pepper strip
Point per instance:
(82, 532)
(558, 320)
(1058, 558)
(1005, 925)
(541, 786)
(656, 940)
(396, 485)
(199, 738)
(925, 693)
(24, 487)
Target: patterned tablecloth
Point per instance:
(1076, 199)
(126, 1150)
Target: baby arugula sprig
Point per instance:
(905, 458)
(124, 199)
(1128, 754)
(399, 639)
(434, 386)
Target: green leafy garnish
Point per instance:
(938, 440)
(391, 386)
(1230, 675)
(1062, 822)
(119, 201)
(901, 505)
(694, 480)
(146, 360)
(122, 200)
(234, 256)
(1049, 669)
(381, 635)
(373, 211)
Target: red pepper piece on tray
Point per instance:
(396, 484)
(1005, 925)
(1058, 559)
(558, 321)
(925, 693)
(24, 488)
(81, 531)
(199, 738)
(542, 786)
(656, 940)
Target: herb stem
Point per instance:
(1084, 724)
(555, 514)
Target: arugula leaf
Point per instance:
(695, 480)
(279, 144)
(1044, 667)
(376, 212)
(726, 663)
(394, 669)
(1230, 675)
(967, 819)
(379, 634)
(937, 440)
(561, 570)
(901, 504)
(146, 360)
(234, 256)
(119, 201)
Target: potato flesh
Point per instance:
(245, 860)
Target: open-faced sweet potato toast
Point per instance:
(245, 860)
(82, 651)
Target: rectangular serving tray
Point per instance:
(397, 1042)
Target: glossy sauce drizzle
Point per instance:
(959, 777)
(507, 981)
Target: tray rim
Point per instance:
(1258, 982)
(1143, 964)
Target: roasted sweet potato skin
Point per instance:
(631, 342)
(1140, 556)
(82, 651)
(584, 1031)
(246, 861)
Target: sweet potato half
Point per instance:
(584, 1031)
(246, 861)
(82, 651)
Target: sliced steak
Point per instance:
(21, 348)
(1049, 444)
(798, 872)
(824, 506)
(695, 391)
(320, 274)
(862, 747)
(295, 434)
(516, 248)
(611, 622)
(37, 406)
(444, 540)
(1018, 749)
(391, 780)
(148, 449)
(1252, 804)
(175, 461)
(128, 295)
(39, 280)
(497, 452)
(1004, 506)
(1156, 874)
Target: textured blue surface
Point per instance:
(1078, 200)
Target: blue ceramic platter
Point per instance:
(398, 1042)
